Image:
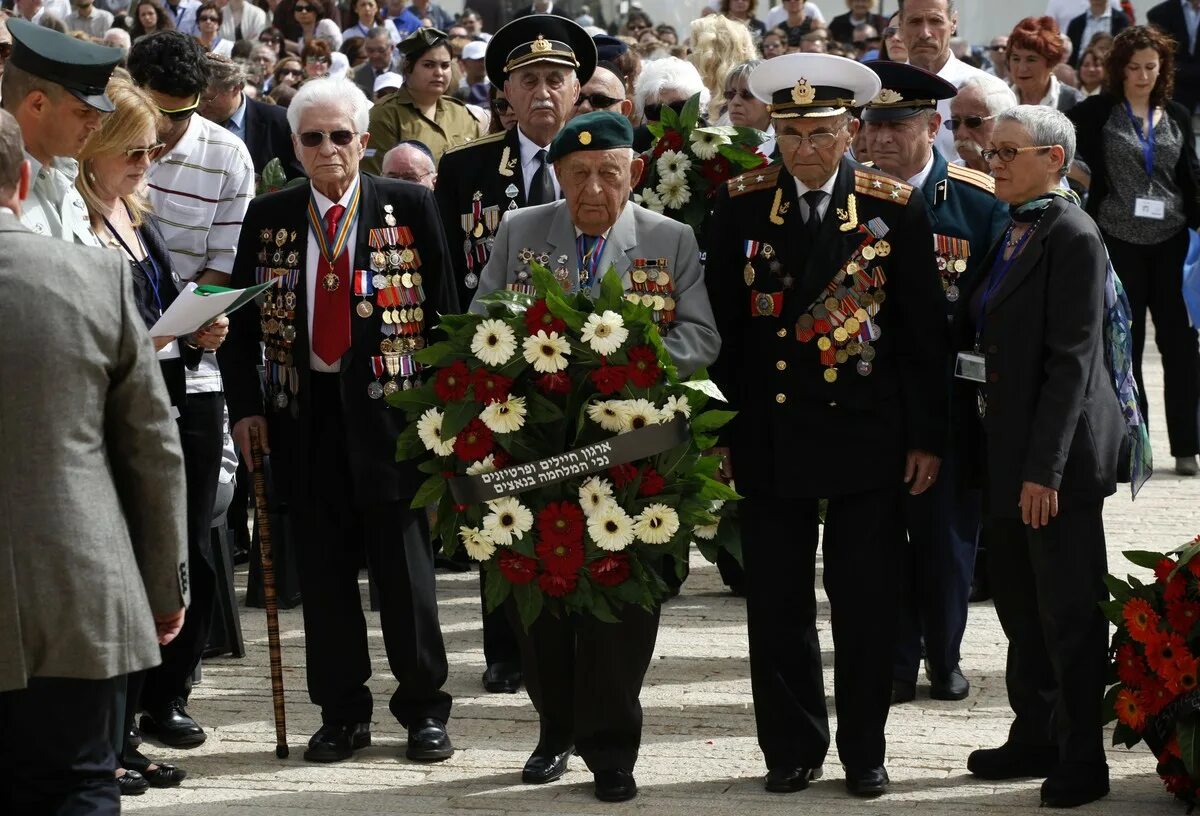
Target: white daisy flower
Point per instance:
(594, 495)
(508, 520)
(706, 531)
(494, 343)
(673, 165)
(611, 528)
(605, 333)
(504, 417)
(477, 543)
(547, 353)
(609, 415)
(639, 413)
(656, 524)
(675, 193)
(716, 506)
(429, 429)
(677, 405)
(651, 200)
(706, 143)
(485, 465)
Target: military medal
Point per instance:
(364, 288)
(375, 388)
(331, 252)
(388, 218)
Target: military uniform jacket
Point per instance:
(833, 351)
(54, 207)
(641, 243)
(397, 119)
(371, 425)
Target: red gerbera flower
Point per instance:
(551, 384)
(1162, 570)
(452, 382)
(1183, 676)
(490, 387)
(609, 379)
(1177, 783)
(1130, 711)
(1194, 566)
(1141, 619)
(1183, 615)
(671, 140)
(1163, 651)
(622, 474)
(611, 570)
(1154, 697)
(1176, 588)
(559, 522)
(560, 555)
(557, 586)
(538, 317)
(716, 169)
(501, 458)
(643, 366)
(473, 442)
(652, 483)
(515, 567)
(1131, 669)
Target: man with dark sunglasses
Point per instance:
(973, 113)
(604, 91)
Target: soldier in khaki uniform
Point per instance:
(420, 111)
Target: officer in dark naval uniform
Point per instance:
(901, 124)
(540, 61)
(833, 329)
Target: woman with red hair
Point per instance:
(1035, 48)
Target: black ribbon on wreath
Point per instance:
(1159, 728)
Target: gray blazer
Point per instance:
(638, 233)
(92, 537)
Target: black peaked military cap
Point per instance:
(907, 90)
(83, 68)
(540, 38)
(598, 130)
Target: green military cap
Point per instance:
(83, 68)
(421, 41)
(598, 130)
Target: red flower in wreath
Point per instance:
(1130, 711)
(611, 570)
(560, 522)
(643, 366)
(538, 317)
(1154, 697)
(609, 379)
(561, 556)
(716, 170)
(551, 384)
(473, 442)
(1183, 676)
(652, 483)
(501, 459)
(1194, 567)
(1163, 651)
(1183, 615)
(1131, 669)
(557, 586)
(622, 474)
(1141, 619)
(671, 140)
(1176, 588)
(490, 387)
(1162, 570)
(515, 567)
(452, 382)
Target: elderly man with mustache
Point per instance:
(973, 115)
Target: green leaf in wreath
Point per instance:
(656, 129)
(1124, 735)
(729, 537)
(1189, 743)
(529, 603)
(1114, 611)
(515, 302)
(600, 608)
(540, 409)
(408, 443)
(436, 354)
(430, 492)
(496, 587)
(430, 466)
(711, 421)
(612, 291)
(707, 387)
(1143, 558)
(458, 414)
(1117, 588)
(669, 118)
(714, 490)
(455, 322)
(690, 114)
(414, 400)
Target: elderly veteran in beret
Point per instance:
(54, 86)
(584, 676)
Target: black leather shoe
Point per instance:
(172, 725)
(951, 687)
(1011, 761)
(1072, 784)
(545, 766)
(502, 678)
(868, 782)
(334, 742)
(165, 776)
(428, 741)
(615, 786)
(790, 780)
(134, 738)
(903, 691)
(132, 783)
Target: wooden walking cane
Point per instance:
(268, 578)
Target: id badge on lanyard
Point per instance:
(1147, 206)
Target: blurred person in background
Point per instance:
(410, 161)
(312, 23)
(668, 82)
(717, 46)
(474, 81)
(263, 58)
(1034, 49)
(317, 58)
(604, 91)
(87, 18)
(288, 71)
(385, 85)
(861, 13)
(149, 16)
(503, 116)
(6, 43)
(893, 47)
(118, 38)
(1091, 71)
(741, 11)
(1100, 18)
(208, 25)
(744, 109)
(273, 38)
(369, 19)
(241, 20)
(772, 44)
(973, 113)
(262, 127)
(997, 54)
(381, 59)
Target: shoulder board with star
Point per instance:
(758, 179)
(975, 178)
(877, 185)
(492, 139)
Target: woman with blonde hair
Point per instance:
(718, 45)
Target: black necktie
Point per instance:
(812, 225)
(541, 189)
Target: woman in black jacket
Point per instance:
(1041, 429)
(1144, 195)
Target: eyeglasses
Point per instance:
(315, 138)
(290, 72)
(654, 112)
(303, 10)
(503, 106)
(890, 32)
(321, 60)
(415, 178)
(740, 93)
(180, 114)
(1007, 154)
(136, 154)
(598, 101)
(208, 18)
(819, 141)
(972, 122)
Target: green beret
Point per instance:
(598, 130)
(421, 41)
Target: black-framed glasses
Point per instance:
(1007, 154)
(598, 101)
(315, 138)
(741, 93)
(654, 111)
(503, 106)
(136, 154)
(208, 18)
(180, 114)
(972, 122)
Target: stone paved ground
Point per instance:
(699, 754)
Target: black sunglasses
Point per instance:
(303, 9)
(654, 112)
(503, 105)
(290, 72)
(208, 18)
(315, 138)
(598, 101)
(744, 94)
(970, 121)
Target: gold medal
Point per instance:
(841, 356)
(330, 282)
(406, 280)
(364, 308)
(418, 314)
(748, 274)
(883, 248)
(852, 325)
(390, 388)
(669, 304)
(663, 278)
(648, 301)
(639, 276)
(868, 252)
(823, 343)
(861, 315)
(385, 345)
(960, 266)
(831, 304)
(416, 279)
(830, 375)
(659, 302)
(378, 260)
(840, 335)
(387, 317)
(478, 231)
(407, 256)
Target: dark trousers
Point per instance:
(1153, 278)
(936, 567)
(499, 641)
(585, 677)
(779, 543)
(1047, 585)
(333, 534)
(201, 436)
(56, 748)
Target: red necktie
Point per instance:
(331, 309)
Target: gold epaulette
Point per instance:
(757, 179)
(877, 185)
(975, 178)
(495, 137)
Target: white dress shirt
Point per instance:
(920, 178)
(827, 188)
(1064, 11)
(956, 72)
(314, 269)
(529, 164)
(1093, 26)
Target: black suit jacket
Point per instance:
(156, 246)
(1052, 415)
(1075, 31)
(268, 136)
(371, 426)
(1168, 16)
(797, 435)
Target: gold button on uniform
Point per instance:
(781, 333)
(781, 398)
(781, 365)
